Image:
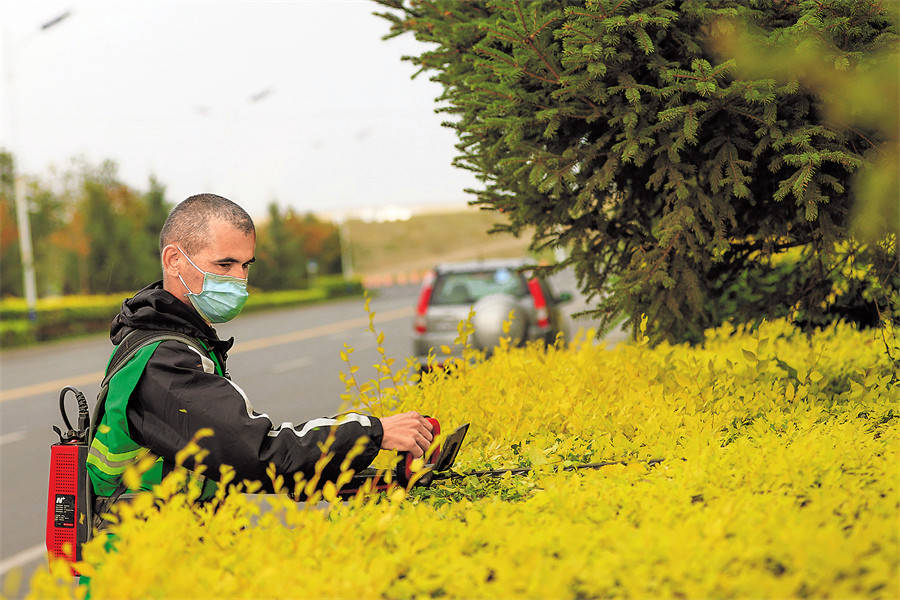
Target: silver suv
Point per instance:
(493, 289)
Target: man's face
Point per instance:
(228, 251)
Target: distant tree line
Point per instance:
(293, 248)
(93, 234)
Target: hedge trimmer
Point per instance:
(439, 463)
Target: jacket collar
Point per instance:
(155, 309)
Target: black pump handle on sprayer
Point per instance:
(84, 417)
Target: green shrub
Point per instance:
(286, 298)
(336, 286)
(16, 332)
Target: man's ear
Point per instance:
(171, 259)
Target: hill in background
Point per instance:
(405, 249)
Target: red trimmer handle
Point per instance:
(404, 472)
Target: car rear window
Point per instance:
(469, 287)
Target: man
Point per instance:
(172, 389)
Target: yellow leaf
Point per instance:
(132, 478)
(203, 433)
(329, 492)
(537, 456)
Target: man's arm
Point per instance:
(177, 396)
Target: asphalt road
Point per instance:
(288, 362)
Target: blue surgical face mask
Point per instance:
(221, 298)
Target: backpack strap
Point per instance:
(125, 351)
(139, 338)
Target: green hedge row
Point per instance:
(75, 315)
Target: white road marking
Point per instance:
(23, 558)
(15, 436)
(290, 365)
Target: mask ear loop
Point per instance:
(190, 292)
(189, 259)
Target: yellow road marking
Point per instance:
(275, 340)
(50, 386)
(331, 328)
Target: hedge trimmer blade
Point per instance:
(439, 468)
(525, 470)
(450, 448)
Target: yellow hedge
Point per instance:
(779, 479)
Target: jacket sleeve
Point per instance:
(179, 393)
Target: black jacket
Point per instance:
(180, 393)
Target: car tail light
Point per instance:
(424, 298)
(540, 303)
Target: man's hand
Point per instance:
(408, 432)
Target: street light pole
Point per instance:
(346, 255)
(25, 246)
(22, 220)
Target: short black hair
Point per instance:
(188, 223)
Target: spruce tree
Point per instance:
(682, 190)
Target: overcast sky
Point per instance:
(165, 87)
